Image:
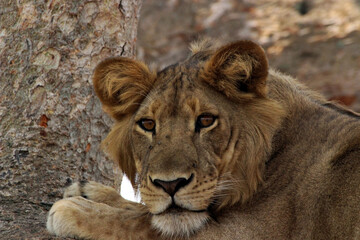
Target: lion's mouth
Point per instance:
(179, 221)
(175, 210)
(179, 218)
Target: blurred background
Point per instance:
(316, 41)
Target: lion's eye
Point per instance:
(147, 124)
(204, 121)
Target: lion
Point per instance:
(219, 146)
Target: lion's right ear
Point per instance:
(239, 70)
(122, 84)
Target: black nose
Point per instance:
(171, 187)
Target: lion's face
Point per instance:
(193, 136)
(178, 145)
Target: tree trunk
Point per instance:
(51, 123)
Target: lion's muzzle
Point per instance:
(171, 187)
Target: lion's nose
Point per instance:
(171, 187)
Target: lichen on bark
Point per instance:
(51, 123)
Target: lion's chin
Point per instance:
(178, 223)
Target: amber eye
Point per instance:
(147, 124)
(204, 121)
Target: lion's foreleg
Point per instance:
(97, 192)
(79, 217)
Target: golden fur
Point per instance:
(232, 141)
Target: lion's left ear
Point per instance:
(122, 84)
(237, 70)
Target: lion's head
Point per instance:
(193, 137)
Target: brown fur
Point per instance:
(278, 162)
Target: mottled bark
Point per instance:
(51, 123)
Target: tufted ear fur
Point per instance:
(121, 85)
(239, 70)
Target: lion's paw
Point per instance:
(82, 218)
(94, 191)
(63, 216)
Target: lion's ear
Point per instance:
(238, 69)
(122, 84)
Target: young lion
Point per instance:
(220, 147)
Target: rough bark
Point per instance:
(51, 123)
